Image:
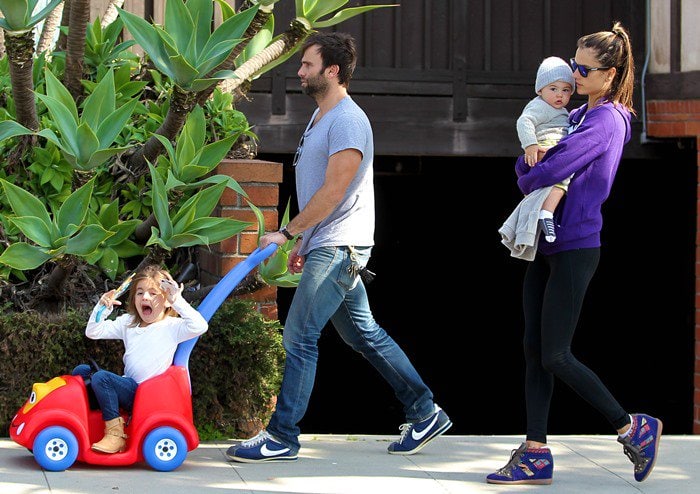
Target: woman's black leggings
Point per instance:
(553, 293)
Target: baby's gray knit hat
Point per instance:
(553, 69)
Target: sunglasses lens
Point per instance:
(581, 69)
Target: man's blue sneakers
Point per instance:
(263, 447)
(526, 466)
(641, 445)
(416, 435)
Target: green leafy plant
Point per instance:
(86, 140)
(310, 15)
(190, 224)
(103, 49)
(190, 162)
(235, 397)
(66, 233)
(91, 115)
(110, 254)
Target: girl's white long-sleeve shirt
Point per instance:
(148, 350)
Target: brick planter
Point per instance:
(260, 180)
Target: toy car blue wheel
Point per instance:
(164, 449)
(55, 448)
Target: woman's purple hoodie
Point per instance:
(592, 153)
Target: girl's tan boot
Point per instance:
(114, 439)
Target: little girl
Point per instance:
(151, 332)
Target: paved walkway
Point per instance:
(330, 464)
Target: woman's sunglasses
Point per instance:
(582, 69)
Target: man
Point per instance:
(335, 229)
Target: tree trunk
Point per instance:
(65, 20)
(111, 12)
(2, 43)
(20, 54)
(75, 47)
(295, 34)
(143, 231)
(181, 104)
(156, 255)
(51, 23)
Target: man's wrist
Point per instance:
(286, 233)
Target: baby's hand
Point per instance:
(531, 155)
(171, 289)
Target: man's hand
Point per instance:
(271, 238)
(295, 262)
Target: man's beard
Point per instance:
(315, 86)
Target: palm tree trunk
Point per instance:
(111, 12)
(295, 34)
(20, 54)
(75, 47)
(181, 104)
(254, 28)
(51, 23)
(65, 20)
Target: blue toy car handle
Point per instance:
(219, 293)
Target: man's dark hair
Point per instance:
(335, 49)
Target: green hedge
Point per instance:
(236, 367)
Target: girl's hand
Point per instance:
(171, 289)
(108, 300)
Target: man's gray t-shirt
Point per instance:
(345, 126)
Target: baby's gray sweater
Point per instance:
(540, 121)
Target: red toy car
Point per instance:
(58, 425)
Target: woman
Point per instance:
(557, 279)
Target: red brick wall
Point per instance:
(681, 118)
(260, 180)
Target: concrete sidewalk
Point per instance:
(330, 464)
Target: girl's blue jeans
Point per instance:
(329, 290)
(112, 391)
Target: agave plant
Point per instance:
(188, 165)
(103, 49)
(190, 224)
(310, 15)
(186, 51)
(190, 162)
(255, 39)
(86, 140)
(50, 236)
(110, 254)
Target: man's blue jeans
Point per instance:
(327, 291)
(112, 391)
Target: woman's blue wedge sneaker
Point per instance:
(526, 466)
(641, 445)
